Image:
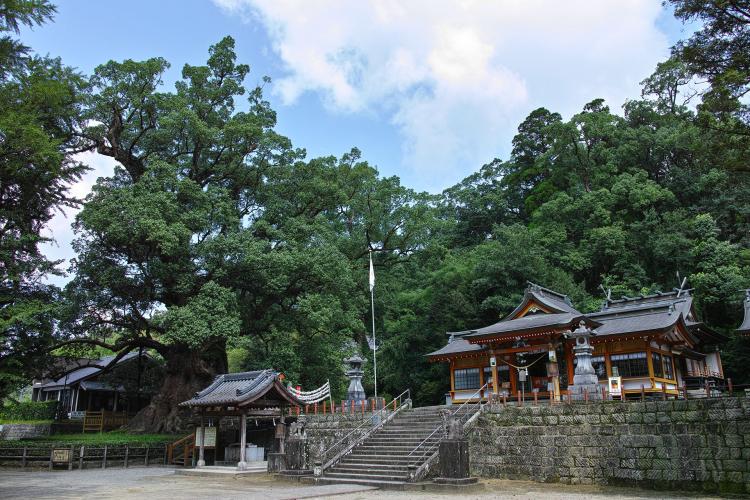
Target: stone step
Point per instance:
(370, 466)
(410, 441)
(416, 421)
(433, 409)
(410, 428)
(368, 476)
(378, 459)
(404, 454)
(393, 485)
(387, 448)
(395, 442)
(382, 470)
(397, 434)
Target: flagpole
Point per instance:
(374, 343)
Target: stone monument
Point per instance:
(585, 382)
(453, 454)
(295, 450)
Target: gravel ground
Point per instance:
(160, 483)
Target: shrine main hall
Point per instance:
(654, 344)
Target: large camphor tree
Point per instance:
(215, 232)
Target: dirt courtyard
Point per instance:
(161, 483)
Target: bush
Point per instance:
(29, 410)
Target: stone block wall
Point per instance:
(14, 432)
(325, 430)
(686, 445)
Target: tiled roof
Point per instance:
(555, 301)
(635, 321)
(237, 389)
(656, 312)
(87, 371)
(533, 322)
(457, 346)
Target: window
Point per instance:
(630, 365)
(657, 364)
(668, 367)
(600, 367)
(467, 378)
(503, 375)
(488, 376)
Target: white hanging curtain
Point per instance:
(315, 396)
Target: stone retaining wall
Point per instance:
(14, 432)
(325, 430)
(697, 444)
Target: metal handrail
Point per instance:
(441, 426)
(399, 398)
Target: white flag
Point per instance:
(372, 274)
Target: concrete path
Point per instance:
(157, 483)
(154, 484)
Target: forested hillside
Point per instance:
(219, 244)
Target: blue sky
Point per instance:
(428, 90)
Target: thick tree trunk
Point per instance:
(187, 371)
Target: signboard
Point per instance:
(615, 386)
(61, 455)
(210, 441)
(493, 361)
(552, 356)
(522, 375)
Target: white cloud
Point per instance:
(457, 77)
(59, 228)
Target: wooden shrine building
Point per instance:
(255, 394)
(655, 343)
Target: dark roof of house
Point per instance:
(456, 346)
(87, 372)
(634, 321)
(533, 322)
(656, 312)
(242, 389)
(555, 301)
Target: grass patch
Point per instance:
(13, 421)
(114, 438)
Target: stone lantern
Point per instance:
(355, 392)
(584, 379)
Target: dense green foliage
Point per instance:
(216, 235)
(28, 411)
(40, 113)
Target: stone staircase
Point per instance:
(383, 458)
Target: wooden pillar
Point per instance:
(495, 378)
(555, 377)
(242, 465)
(201, 458)
(650, 364)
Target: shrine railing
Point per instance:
(426, 452)
(346, 444)
(99, 421)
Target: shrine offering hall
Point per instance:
(654, 343)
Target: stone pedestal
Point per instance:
(276, 462)
(454, 462)
(296, 457)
